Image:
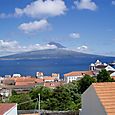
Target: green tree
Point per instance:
(104, 76)
(85, 82)
(61, 98)
(44, 92)
(21, 98)
(14, 92)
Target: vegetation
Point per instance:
(20, 98)
(85, 82)
(104, 76)
(61, 98)
(66, 97)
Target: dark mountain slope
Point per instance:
(50, 54)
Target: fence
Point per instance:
(45, 112)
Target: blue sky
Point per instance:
(81, 25)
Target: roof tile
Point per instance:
(106, 93)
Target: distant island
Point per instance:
(57, 53)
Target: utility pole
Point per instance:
(39, 104)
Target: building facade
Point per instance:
(76, 75)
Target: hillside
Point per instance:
(50, 54)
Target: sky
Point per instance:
(82, 25)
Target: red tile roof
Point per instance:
(24, 83)
(113, 77)
(79, 73)
(38, 80)
(4, 107)
(53, 84)
(25, 80)
(106, 94)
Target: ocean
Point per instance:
(48, 66)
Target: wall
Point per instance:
(72, 78)
(45, 112)
(91, 104)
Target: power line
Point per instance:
(27, 102)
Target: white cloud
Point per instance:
(75, 35)
(34, 26)
(85, 4)
(8, 45)
(42, 8)
(113, 2)
(12, 47)
(38, 47)
(82, 48)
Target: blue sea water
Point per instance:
(48, 66)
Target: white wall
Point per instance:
(71, 78)
(49, 80)
(91, 104)
(12, 111)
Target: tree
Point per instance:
(65, 97)
(85, 82)
(104, 76)
(44, 92)
(14, 92)
(20, 98)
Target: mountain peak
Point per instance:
(56, 44)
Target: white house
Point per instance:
(76, 75)
(8, 109)
(98, 66)
(5, 92)
(39, 75)
(56, 75)
(112, 75)
(98, 62)
(16, 75)
(1, 78)
(110, 69)
(49, 79)
(99, 99)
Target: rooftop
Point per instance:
(4, 107)
(53, 84)
(79, 73)
(23, 80)
(106, 93)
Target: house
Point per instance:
(99, 99)
(7, 89)
(8, 81)
(39, 75)
(1, 78)
(4, 92)
(53, 84)
(110, 69)
(112, 75)
(21, 80)
(98, 66)
(8, 109)
(56, 75)
(8, 76)
(49, 79)
(16, 75)
(19, 84)
(76, 75)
